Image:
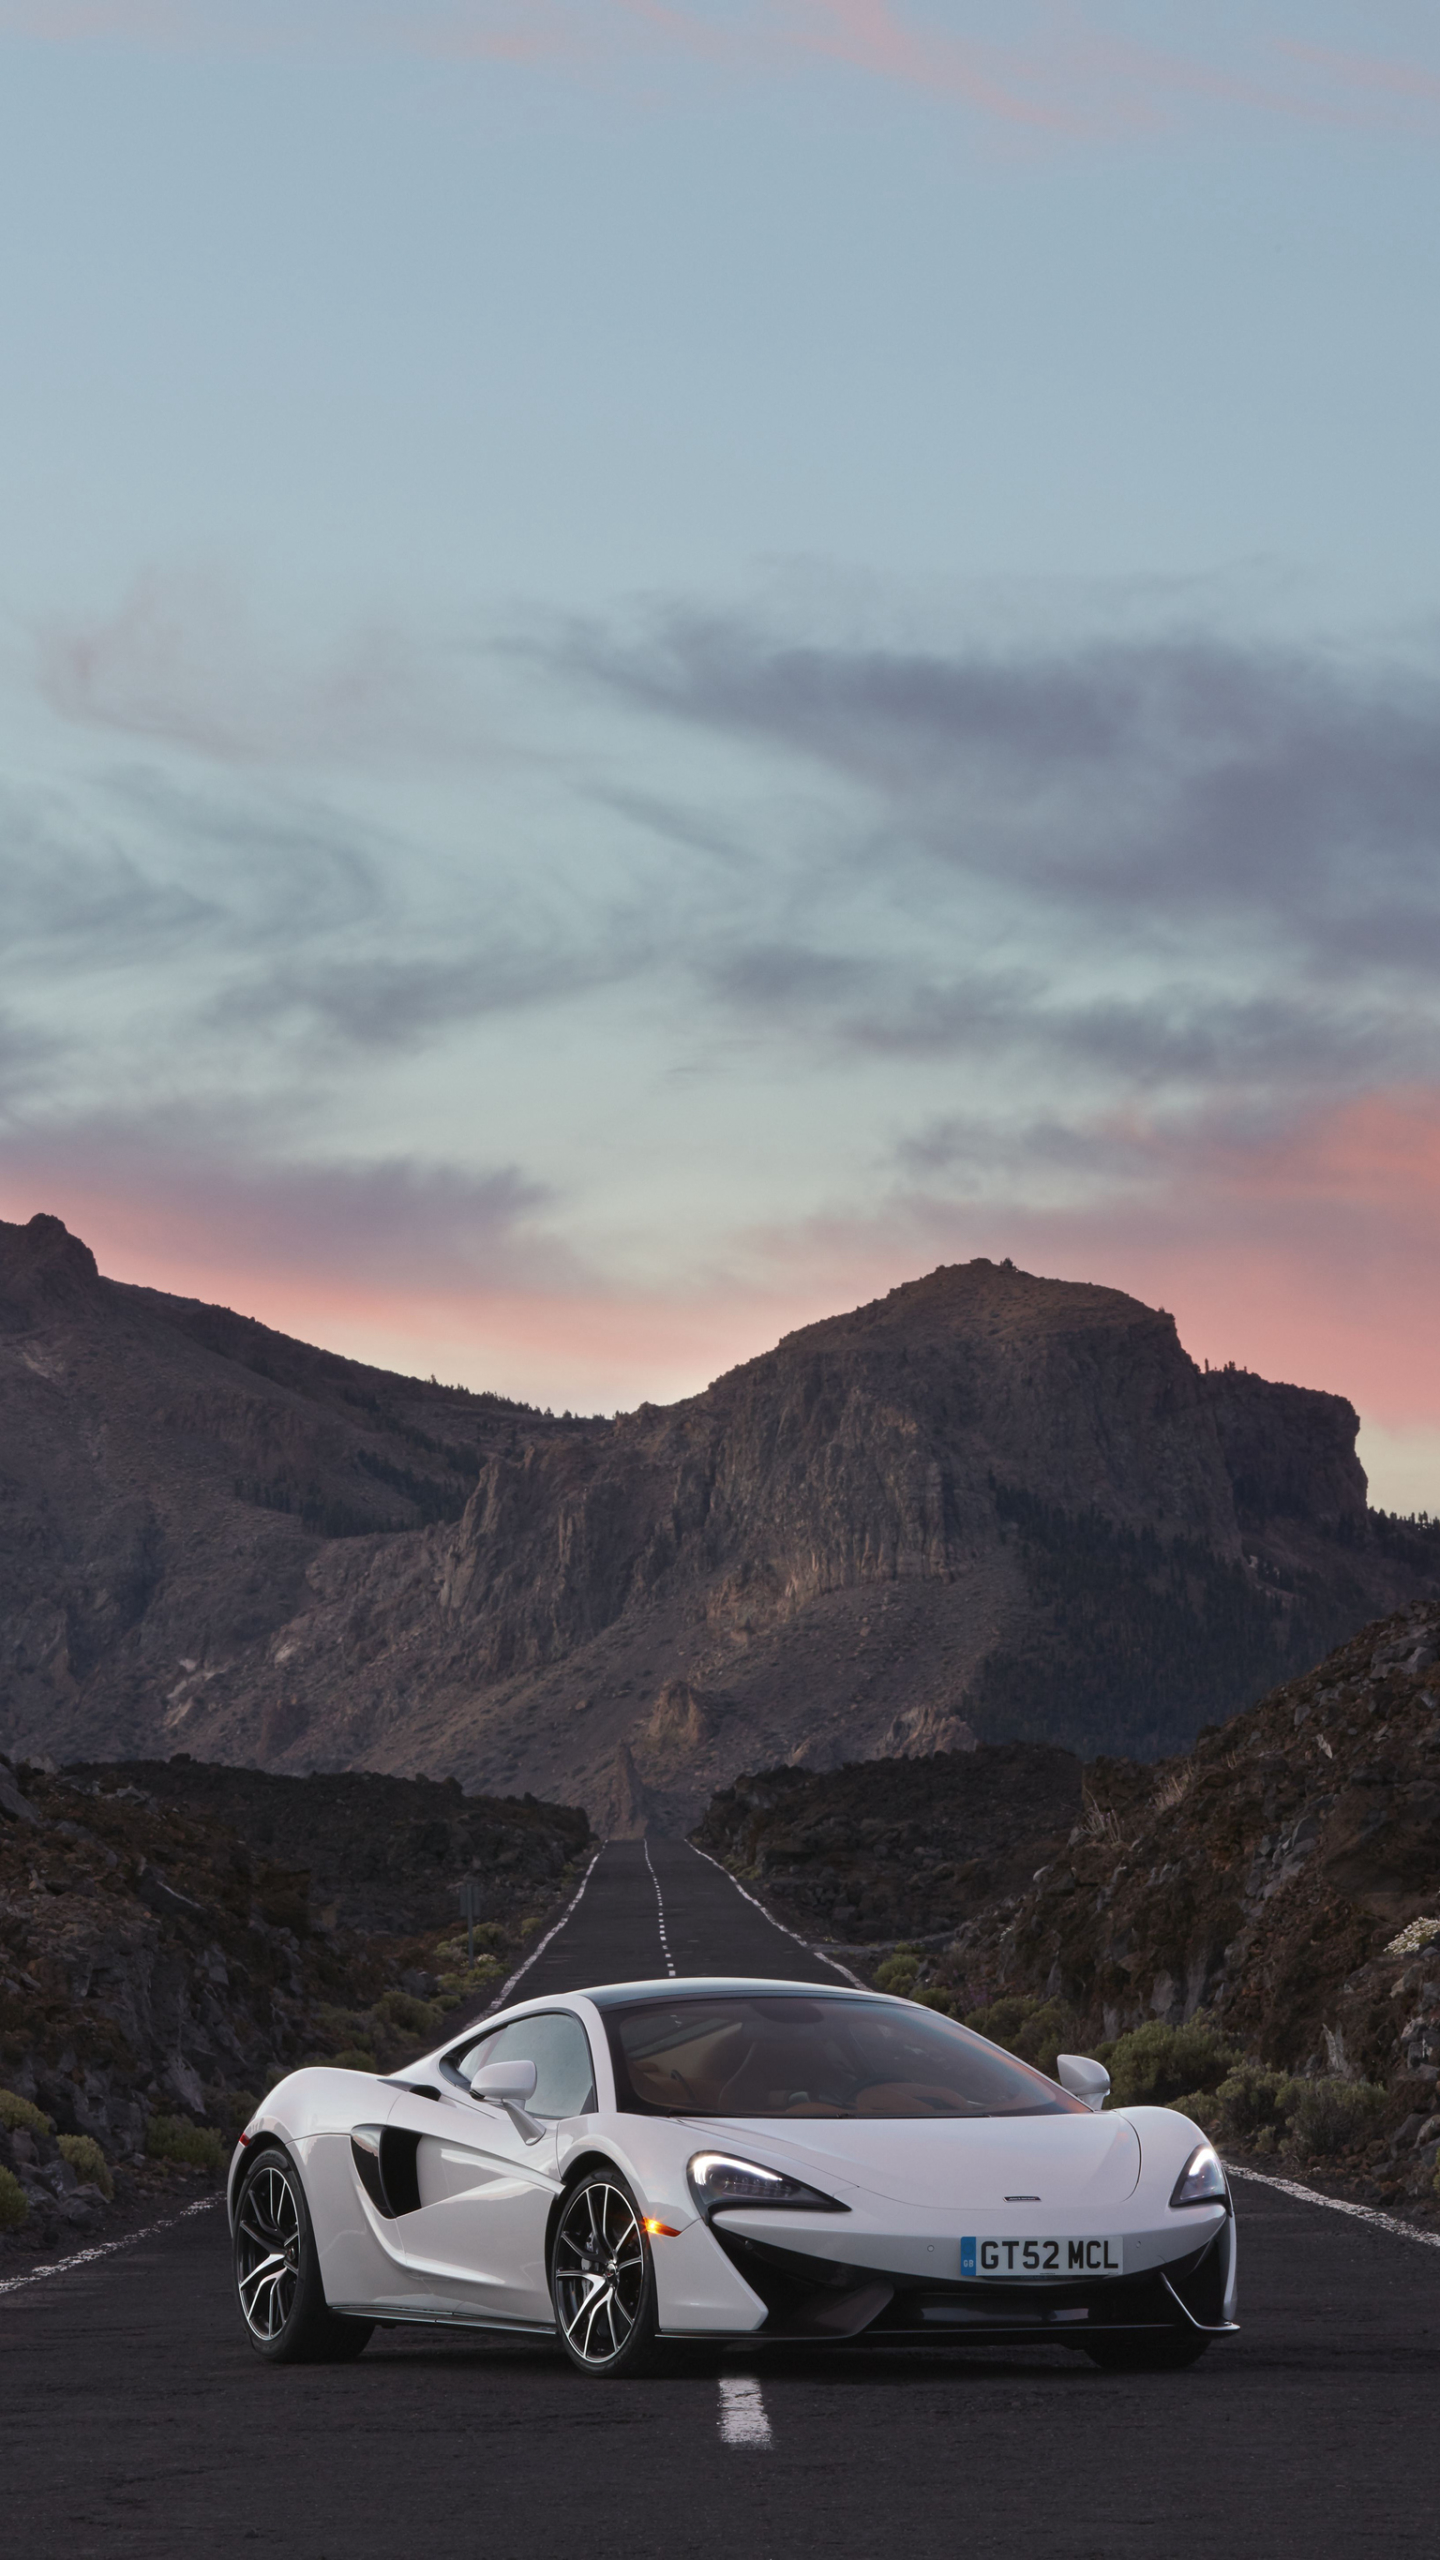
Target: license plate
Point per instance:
(1054, 2258)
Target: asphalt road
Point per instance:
(135, 2423)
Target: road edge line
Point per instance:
(1338, 2204)
(107, 2248)
(833, 1961)
(571, 1907)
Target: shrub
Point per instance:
(14, 2203)
(932, 1997)
(88, 2162)
(409, 2016)
(195, 2146)
(455, 1987)
(231, 2108)
(1038, 2030)
(343, 2026)
(354, 2058)
(898, 1972)
(1255, 2105)
(18, 2115)
(470, 1977)
(490, 1939)
(1201, 2106)
(1155, 2063)
(1331, 2114)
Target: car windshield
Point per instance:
(781, 2054)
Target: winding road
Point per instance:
(136, 2425)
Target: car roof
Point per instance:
(695, 1986)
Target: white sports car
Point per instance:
(631, 2168)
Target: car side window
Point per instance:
(559, 2048)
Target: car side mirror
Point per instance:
(1086, 2080)
(506, 2083)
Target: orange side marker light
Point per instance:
(660, 2230)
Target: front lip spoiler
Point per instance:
(1207, 2328)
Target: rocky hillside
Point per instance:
(1279, 1884)
(173, 1938)
(1261, 1876)
(903, 1850)
(987, 1504)
(383, 1855)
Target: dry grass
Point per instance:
(1174, 1787)
(1099, 1821)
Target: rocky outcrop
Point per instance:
(172, 1938)
(987, 1505)
(1283, 1877)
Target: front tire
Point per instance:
(277, 2272)
(602, 2280)
(1171, 2353)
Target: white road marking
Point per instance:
(1339, 2204)
(660, 1907)
(742, 2412)
(833, 1961)
(107, 2248)
(571, 1907)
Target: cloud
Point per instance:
(70, 894)
(380, 1003)
(183, 660)
(201, 1187)
(1412, 86)
(1042, 70)
(1116, 954)
(1169, 781)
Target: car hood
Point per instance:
(1081, 2160)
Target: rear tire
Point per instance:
(1170, 2354)
(277, 2271)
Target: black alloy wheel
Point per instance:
(277, 2272)
(602, 2279)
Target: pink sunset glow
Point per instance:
(1308, 1258)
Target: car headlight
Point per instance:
(1202, 2180)
(716, 2178)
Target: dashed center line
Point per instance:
(742, 2413)
(660, 1908)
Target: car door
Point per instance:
(485, 2174)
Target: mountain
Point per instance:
(168, 1473)
(986, 1505)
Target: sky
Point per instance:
(660, 665)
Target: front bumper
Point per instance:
(815, 2296)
